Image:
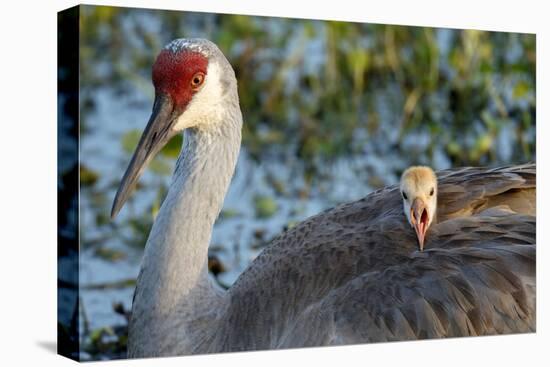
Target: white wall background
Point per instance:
(28, 183)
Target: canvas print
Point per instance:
(233, 183)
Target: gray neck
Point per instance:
(174, 289)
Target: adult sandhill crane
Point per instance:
(351, 274)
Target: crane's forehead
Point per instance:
(182, 56)
(418, 178)
(170, 66)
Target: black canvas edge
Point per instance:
(68, 343)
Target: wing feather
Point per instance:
(353, 274)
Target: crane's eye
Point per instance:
(404, 195)
(197, 80)
(432, 192)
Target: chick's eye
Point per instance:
(404, 195)
(432, 192)
(197, 80)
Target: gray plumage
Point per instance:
(351, 274)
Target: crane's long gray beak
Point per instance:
(156, 134)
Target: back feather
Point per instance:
(353, 274)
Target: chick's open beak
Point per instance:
(419, 220)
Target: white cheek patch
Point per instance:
(205, 105)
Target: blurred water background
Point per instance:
(332, 111)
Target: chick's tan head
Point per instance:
(419, 192)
